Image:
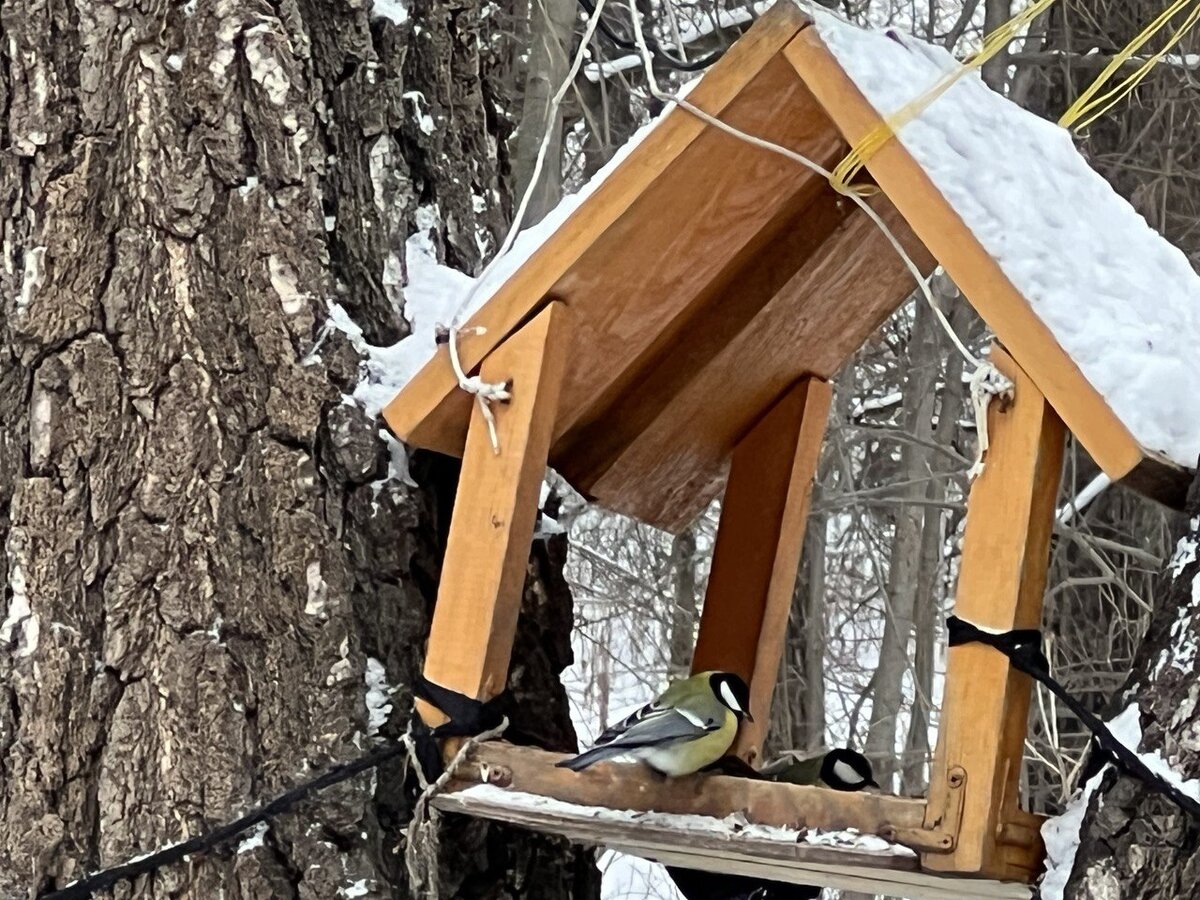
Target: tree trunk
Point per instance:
(684, 609)
(550, 28)
(928, 605)
(900, 597)
(207, 563)
(1134, 844)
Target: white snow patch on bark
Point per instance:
(423, 119)
(397, 472)
(394, 10)
(264, 67)
(1182, 651)
(343, 669)
(355, 889)
(41, 415)
(286, 285)
(318, 590)
(254, 840)
(33, 277)
(1127, 728)
(378, 696)
(225, 54)
(1185, 550)
(1061, 835)
(21, 627)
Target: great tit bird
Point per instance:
(841, 769)
(691, 725)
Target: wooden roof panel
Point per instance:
(668, 470)
(428, 413)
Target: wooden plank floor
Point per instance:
(719, 849)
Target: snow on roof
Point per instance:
(1121, 300)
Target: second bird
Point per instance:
(691, 725)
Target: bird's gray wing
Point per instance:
(650, 727)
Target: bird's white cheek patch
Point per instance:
(730, 700)
(846, 773)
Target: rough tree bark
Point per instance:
(1134, 844)
(203, 545)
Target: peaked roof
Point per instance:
(705, 275)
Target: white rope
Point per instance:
(487, 393)
(421, 843)
(990, 380)
(986, 382)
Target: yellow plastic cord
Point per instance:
(1089, 107)
(993, 44)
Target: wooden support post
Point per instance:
(1010, 516)
(487, 552)
(757, 551)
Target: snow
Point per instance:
(734, 827)
(20, 626)
(286, 285)
(1185, 550)
(397, 472)
(318, 590)
(356, 889)
(32, 279)
(378, 697)
(1182, 651)
(254, 840)
(393, 10)
(1061, 836)
(1120, 299)
(264, 67)
(423, 119)
(1127, 728)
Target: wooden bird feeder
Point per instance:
(676, 335)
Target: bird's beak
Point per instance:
(749, 718)
(873, 783)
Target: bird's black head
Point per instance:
(733, 692)
(846, 770)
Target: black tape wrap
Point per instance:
(1024, 650)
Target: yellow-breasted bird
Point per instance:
(690, 726)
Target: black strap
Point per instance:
(467, 717)
(107, 878)
(1023, 648)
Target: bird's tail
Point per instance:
(590, 757)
